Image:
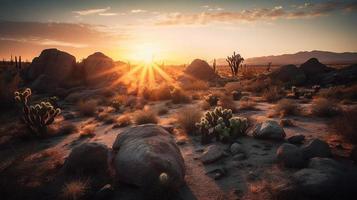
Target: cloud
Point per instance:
(58, 34)
(138, 11)
(91, 11)
(108, 14)
(307, 10)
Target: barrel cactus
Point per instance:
(37, 117)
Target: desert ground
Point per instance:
(294, 139)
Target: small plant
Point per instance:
(145, 116)
(87, 108)
(220, 124)
(36, 117)
(122, 121)
(212, 99)
(74, 190)
(187, 119)
(227, 102)
(286, 107)
(116, 104)
(162, 111)
(346, 125)
(322, 107)
(273, 94)
(247, 104)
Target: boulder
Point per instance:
(290, 156)
(289, 74)
(353, 155)
(316, 148)
(147, 157)
(236, 148)
(212, 153)
(313, 69)
(200, 69)
(269, 129)
(87, 159)
(98, 69)
(57, 65)
(296, 139)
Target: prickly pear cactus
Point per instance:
(37, 117)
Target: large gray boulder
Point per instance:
(290, 156)
(56, 64)
(289, 74)
(269, 129)
(316, 148)
(147, 156)
(98, 69)
(201, 70)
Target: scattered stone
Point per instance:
(296, 139)
(290, 156)
(236, 148)
(213, 153)
(286, 122)
(147, 156)
(269, 130)
(316, 148)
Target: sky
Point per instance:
(176, 31)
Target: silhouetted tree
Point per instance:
(269, 67)
(234, 62)
(214, 66)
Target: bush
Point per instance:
(162, 111)
(146, 116)
(340, 93)
(163, 92)
(122, 121)
(273, 94)
(346, 125)
(87, 131)
(187, 118)
(179, 96)
(87, 108)
(322, 107)
(287, 107)
(247, 104)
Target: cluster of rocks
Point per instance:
(144, 156)
(313, 72)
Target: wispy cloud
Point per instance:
(138, 11)
(307, 10)
(92, 11)
(108, 14)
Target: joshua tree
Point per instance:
(234, 62)
(214, 65)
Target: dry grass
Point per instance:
(196, 85)
(67, 128)
(122, 121)
(87, 131)
(273, 94)
(247, 104)
(346, 125)
(287, 107)
(187, 119)
(162, 92)
(340, 93)
(227, 102)
(322, 107)
(87, 108)
(234, 86)
(75, 190)
(146, 116)
(179, 96)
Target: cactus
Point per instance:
(219, 123)
(37, 117)
(211, 99)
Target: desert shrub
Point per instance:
(179, 96)
(116, 105)
(248, 73)
(345, 124)
(162, 92)
(162, 111)
(196, 85)
(187, 118)
(273, 94)
(36, 117)
(322, 107)
(340, 93)
(227, 102)
(75, 190)
(212, 99)
(286, 107)
(122, 121)
(247, 104)
(146, 116)
(87, 107)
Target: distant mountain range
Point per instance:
(325, 57)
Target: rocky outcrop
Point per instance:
(289, 74)
(200, 69)
(147, 156)
(269, 130)
(98, 68)
(314, 70)
(343, 76)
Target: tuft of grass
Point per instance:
(322, 107)
(162, 92)
(123, 121)
(179, 96)
(146, 116)
(340, 93)
(287, 107)
(187, 119)
(75, 190)
(87, 108)
(67, 128)
(345, 124)
(87, 131)
(273, 94)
